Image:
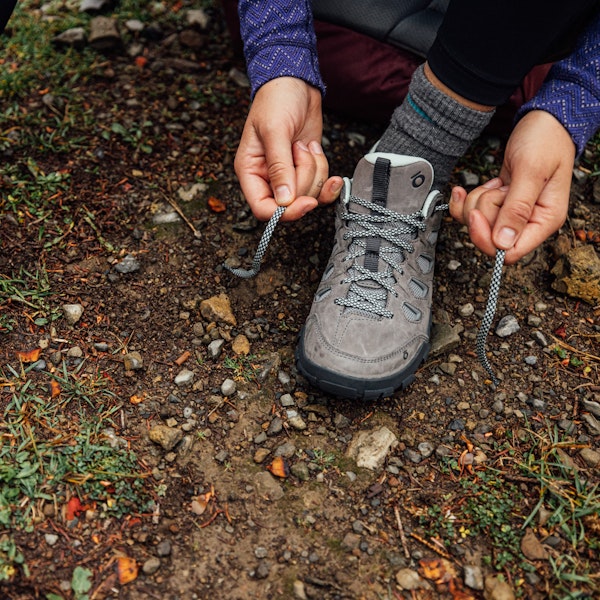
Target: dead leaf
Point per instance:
(279, 467)
(74, 508)
(135, 399)
(54, 388)
(29, 356)
(141, 61)
(439, 570)
(127, 569)
(216, 205)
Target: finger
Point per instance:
(331, 189)
(281, 172)
(481, 232)
(457, 203)
(309, 174)
(516, 210)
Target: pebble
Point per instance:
(261, 438)
(534, 320)
(129, 264)
(300, 470)
(591, 457)
(240, 345)
(266, 486)
(453, 265)
(228, 387)
(284, 379)
(260, 552)
(215, 348)
(297, 422)
(51, 538)
(260, 455)
(497, 589)
(531, 360)
(151, 566)
(466, 310)
(299, 590)
(72, 312)
(413, 456)
(221, 456)
(426, 449)
(275, 426)
(287, 400)
(218, 308)
(287, 450)
(164, 548)
(184, 377)
(133, 361)
(101, 346)
(508, 325)
(167, 437)
(408, 579)
(473, 577)
(591, 406)
(539, 338)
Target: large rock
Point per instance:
(578, 274)
(104, 34)
(370, 448)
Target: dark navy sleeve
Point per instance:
(571, 91)
(279, 41)
(6, 8)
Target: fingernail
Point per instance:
(506, 238)
(282, 195)
(315, 148)
(302, 146)
(454, 196)
(492, 183)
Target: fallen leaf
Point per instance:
(439, 570)
(74, 508)
(561, 332)
(127, 569)
(54, 388)
(279, 467)
(580, 235)
(216, 205)
(29, 356)
(141, 61)
(135, 399)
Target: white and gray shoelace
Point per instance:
(392, 236)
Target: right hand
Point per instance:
(280, 161)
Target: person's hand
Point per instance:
(529, 201)
(280, 161)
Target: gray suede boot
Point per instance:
(368, 329)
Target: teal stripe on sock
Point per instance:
(418, 109)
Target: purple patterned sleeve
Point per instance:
(279, 41)
(571, 92)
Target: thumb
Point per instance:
(280, 168)
(516, 210)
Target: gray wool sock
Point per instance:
(432, 125)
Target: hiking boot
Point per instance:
(368, 329)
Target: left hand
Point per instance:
(529, 201)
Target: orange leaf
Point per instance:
(279, 467)
(29, 356)
(127, 569)
(437, 569)
(580, 235)
(54, 388)
(216, 205)
(136, 399)
(561, 332)
(74, 508)
(141, 61)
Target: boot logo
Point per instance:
(418, 179)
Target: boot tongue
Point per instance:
(399, 183)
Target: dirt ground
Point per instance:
(258, 498)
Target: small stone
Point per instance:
(72, 312)
(454, 265)
(497, 589)
(275, 426)
(539, 338)
(260, 552)
(531, 360)
(448, 368)
(218, 308)
(534, 320)
(408, 579)
(167, 437)
(151, 566)
(228, 387)
(590, 457)
(164, 548)
(222, 456)
(578, 274)
(300, 470)
(591, 406)
(468, 179)
(287, 450)
(51, 538)
(197, 17)
(134, 25)
(215, 348)
(74, 37)
(473, 577)
(74, 352)
(299, 590)
(287, 400)
(297, 422)
(260, 455)
(184, 377)
(426, 449)
(133, 361)
(241, 345)
(508, 325)
(466, 310)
